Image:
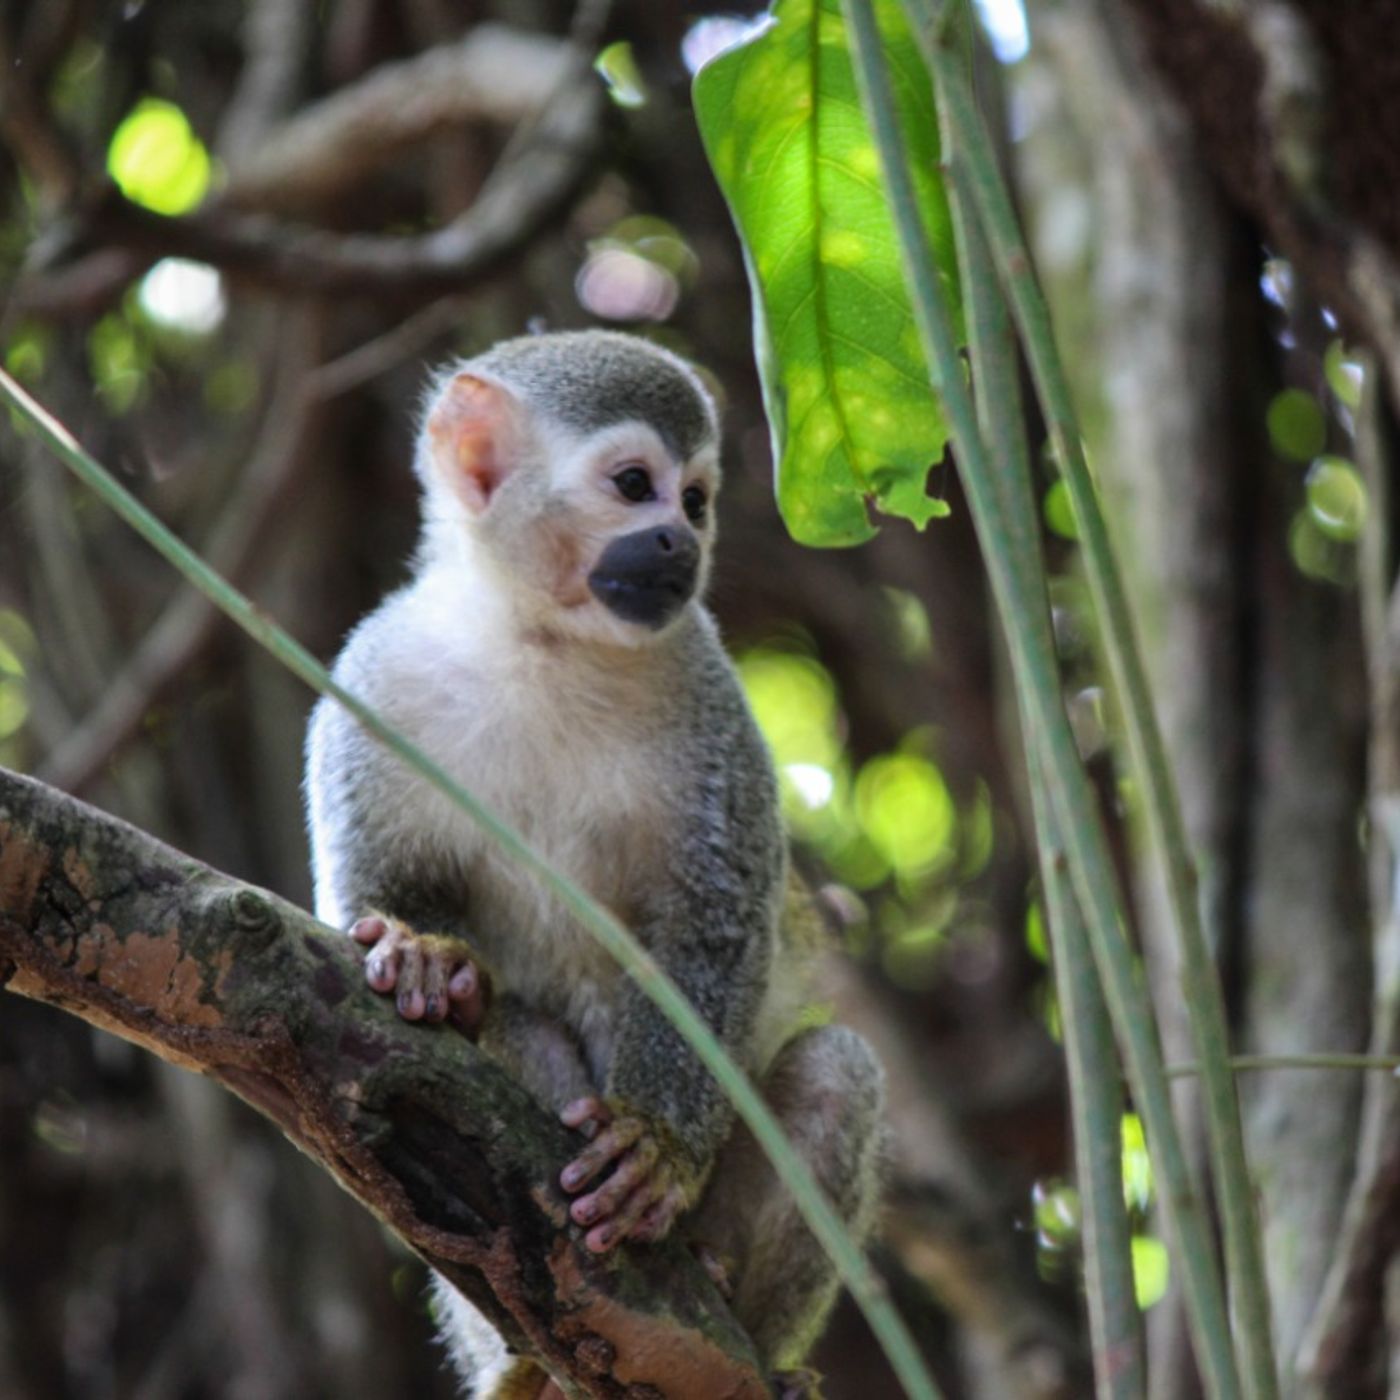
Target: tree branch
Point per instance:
(520, 201)
(428, 1133)
(491, 73)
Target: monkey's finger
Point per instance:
(369, 929)
(611, 1142)
(435, 1001)
(411, 1002)
(467, 994)
(602, 1238)
(630, 1172)
(658, 1218)
(581, 1111)
(462, 985)
(382, 965)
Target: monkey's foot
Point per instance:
(434, 977)
(802, 1384)
(644, 1193)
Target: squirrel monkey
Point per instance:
(552, 651)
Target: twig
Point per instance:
(275, 40)
(1350, 1310)
(37, 144)
(1241, 1064)
(189, 621)
(494, 73)
(380, 355)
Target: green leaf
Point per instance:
(617, 66)
(844, 380)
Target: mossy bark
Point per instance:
(425, 1131)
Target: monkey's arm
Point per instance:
(712, 927)
(379, 877)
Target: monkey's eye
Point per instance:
(634, 483)
(693, 503)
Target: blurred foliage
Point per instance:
(1058, 1219)
(1059, 511)
(19, 649)
(1343, 373)
(1336, 498)
(888, 826)
(1296, 426)
(617, 66)
(27, 353)
(157, 160)
(845, 385)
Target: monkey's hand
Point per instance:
(435, 977)
(650, 1184)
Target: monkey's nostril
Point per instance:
(664, 541)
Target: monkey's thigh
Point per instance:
(540, 1051)
(827, 1089)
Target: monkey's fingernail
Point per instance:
(375, 968)
(571, 1176)
(432, 1008)
(585, 1212)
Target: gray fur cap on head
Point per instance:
(589, 380)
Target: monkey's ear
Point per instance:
(477, 434)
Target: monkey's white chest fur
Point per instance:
(565, 754)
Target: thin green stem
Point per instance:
(1038, 680)
(1096, 1095)
(1245, 1063)
(1200, 983)
(856, 1273)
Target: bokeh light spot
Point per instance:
(1296, 427)
(157, 160)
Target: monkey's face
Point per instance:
(630, 529)
(603, 536)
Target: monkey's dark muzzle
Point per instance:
(649, 575)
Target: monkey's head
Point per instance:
(581, 469)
